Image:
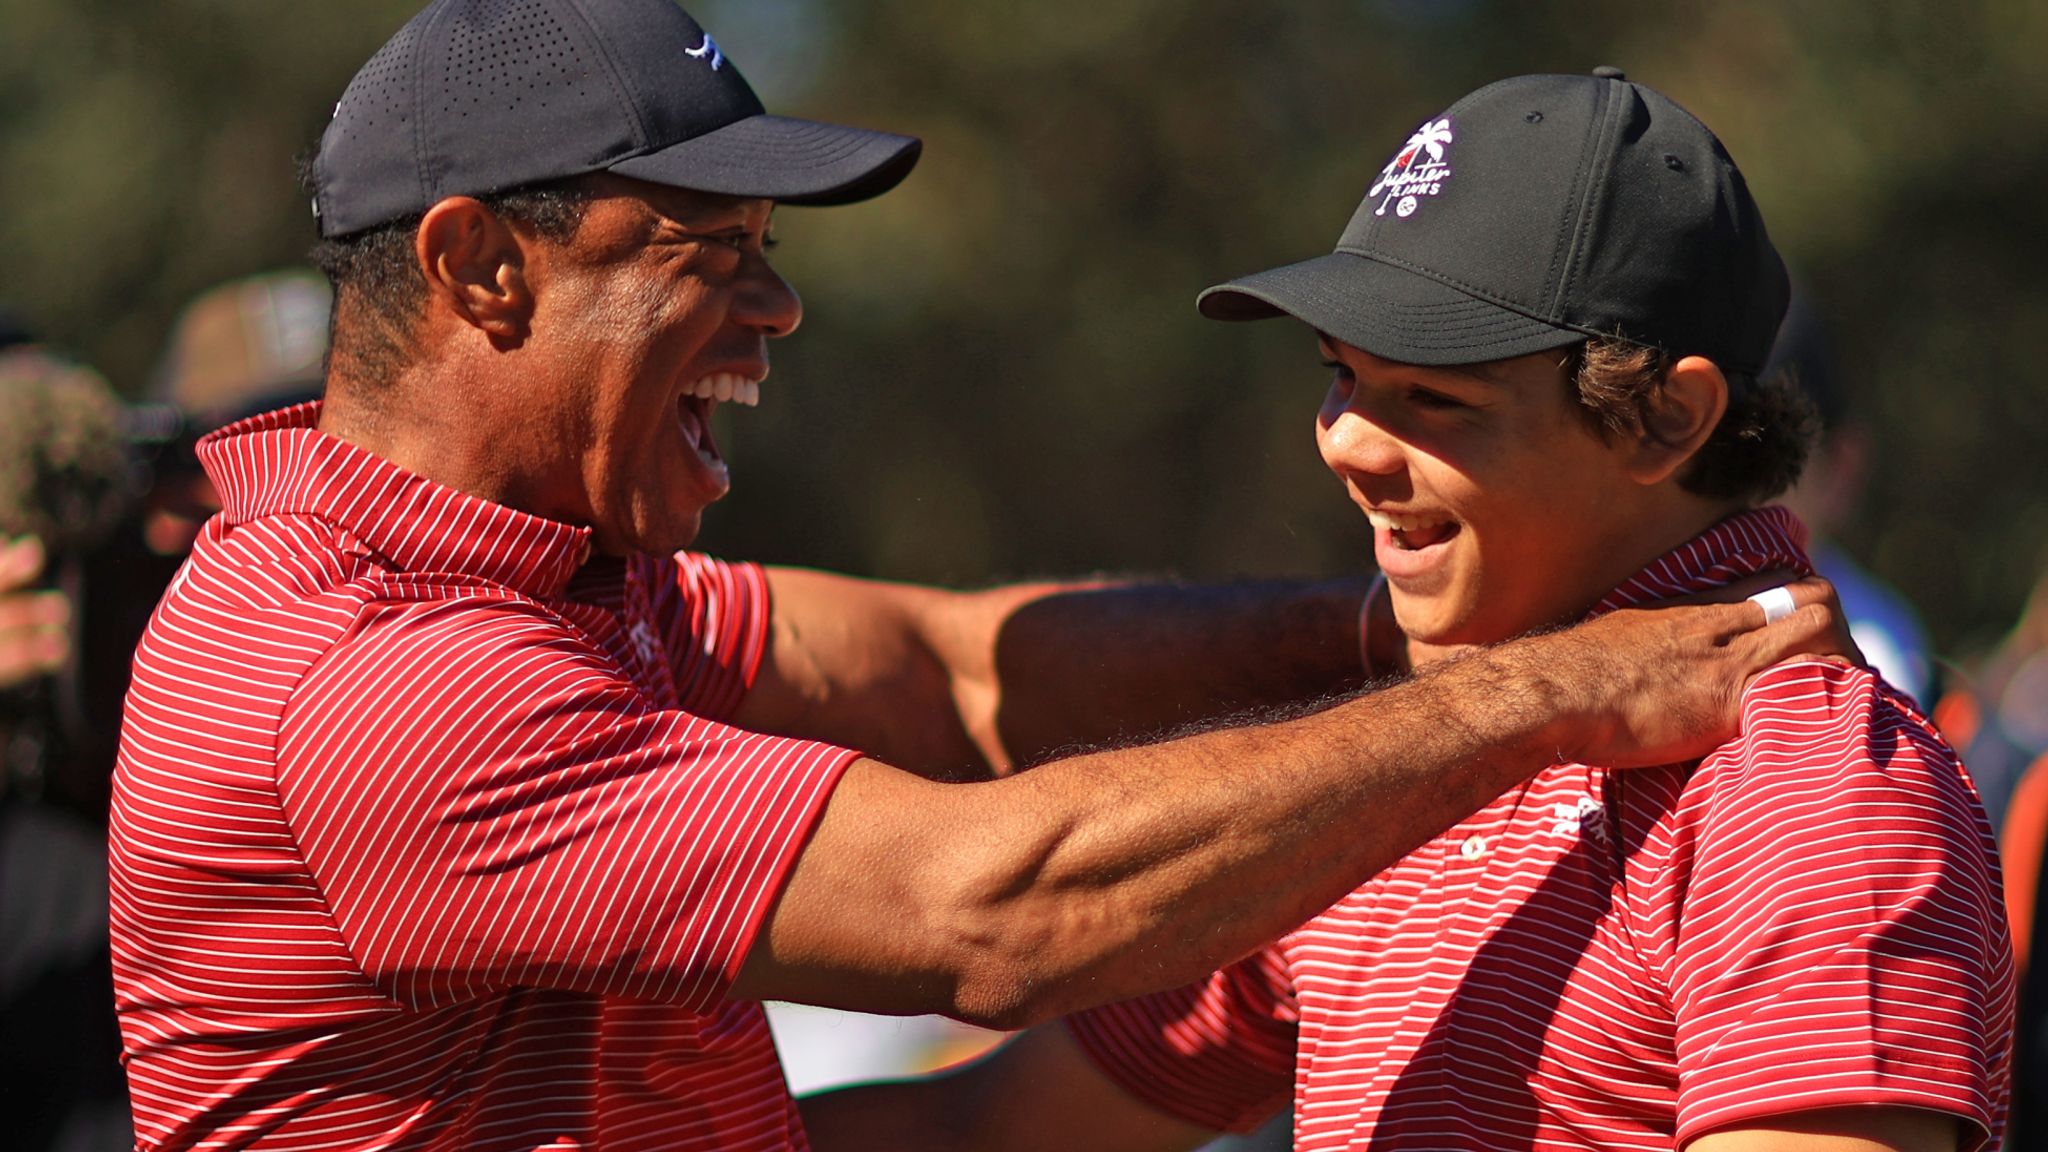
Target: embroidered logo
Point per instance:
(1417, 171)
(1584, 819)
(644, 641)
(707, 50)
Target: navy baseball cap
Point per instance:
(477, 96)
(1534, 213)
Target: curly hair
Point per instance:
(1755, 453)
(378, 288)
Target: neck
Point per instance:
(452, 427)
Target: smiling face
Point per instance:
(1496, 507)
(658, 309)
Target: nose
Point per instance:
(766, 301)
(1352, 440)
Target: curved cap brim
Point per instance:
(1387, 310)
(782, 159)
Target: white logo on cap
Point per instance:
(1416, 171)
(708, 48)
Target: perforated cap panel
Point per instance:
(365, 160)
(477, 96)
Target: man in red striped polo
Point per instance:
(458, 808)
(1545, 325)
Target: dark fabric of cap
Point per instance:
(477, 96)
(1533, 213)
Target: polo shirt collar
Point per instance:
(1749, 542)
(280, 463)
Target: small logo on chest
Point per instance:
(1585, 820)
(645, 642)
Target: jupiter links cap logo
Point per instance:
(1417, 171)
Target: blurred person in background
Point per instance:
(240, 348)
(1830, 492)
(1998, 712)
(457, 804)
(66, 478)
(99, 504)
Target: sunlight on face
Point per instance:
(1496, 508)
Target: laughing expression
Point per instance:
(1496, 508)
(661, 308)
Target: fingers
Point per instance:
(34, 626)
(1804, 619)
(35, 637)
(21, 561)
(1815, 632)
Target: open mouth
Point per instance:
(693, 416)
(700, 399)
(1412, 532)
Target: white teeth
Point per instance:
(727, 386)
(1396, 522)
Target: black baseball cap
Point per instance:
(1532, 214)
(477, 96)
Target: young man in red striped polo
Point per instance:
(1545, 324)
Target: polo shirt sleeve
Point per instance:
(1218, 1053)
(714, 617)
(1839, 934)
(486, 803)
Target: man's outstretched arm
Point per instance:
(1108, 875)
(961, 685)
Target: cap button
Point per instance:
(1610, 72)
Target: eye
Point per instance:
(1424, 398)
(742, 240)
(1339, 367)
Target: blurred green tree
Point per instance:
(1001, 373)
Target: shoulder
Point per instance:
(1820, 721)
(1834, 774)
(1837, 785)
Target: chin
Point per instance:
(1432, 622)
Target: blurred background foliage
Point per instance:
(1001, 373)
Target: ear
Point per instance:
(475, 269)
(1682, 415)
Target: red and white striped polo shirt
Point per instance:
(1809, 918)
(426, 833)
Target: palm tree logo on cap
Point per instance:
(1405, 178)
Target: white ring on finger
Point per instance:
(1776, 603)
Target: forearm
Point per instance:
(1112, 664)
(1108, 875)
(1112, 874)
(959, 685)
(1159, 864)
